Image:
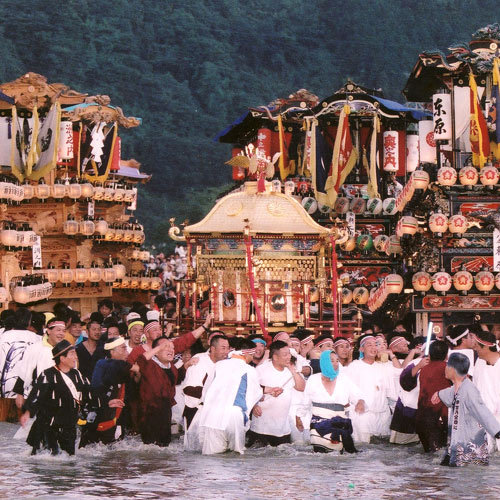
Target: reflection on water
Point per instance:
(130, 469)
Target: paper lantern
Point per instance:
(365, 242)
(438, 223)
(109, 193)
(310, 204)
(8, 235)
(20, 293)
(4, 294)
(447, 176)
(130, 194)
(52, 274)
(441, 113)
(81, 274)
(374, 206)
(109, 275)
(346, 296)
(128, 233)
(393, 283)
(345, 278)
(98, 193)
(58, 191)
(109, 235)
(145, 256)
(468, 176)
(489, 175)
(457, 224)
(17, 193)
(87, 227)
(42, 191)
(95, 274)
(341, 205)
(360, 295)
(412, 152)
(155, 283)
(389, 206)
(381, 242)
(29, 237)
(421, 281)
(28, 192)
(145, 283)
(358, 205)
(120, 270)
(349, 245)
(66, 276)
(4, 191)
(74, 190)
(420, 179)
(70, 227)
(441, 281)
(463, 281)
(139, 236)
(119, 234)
(135, 282)
(136, 254)
(276, 186)
(394, 245)
(484, 281)
(101, 227)
(391, 151)
(119, 194)
(87, 190)
(126, 281)
(427, 144)
(409, 224)
(324, 209)
(289, 188)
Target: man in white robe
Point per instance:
(375, 384)
(228, 402)
(197, 376)
(487, 376)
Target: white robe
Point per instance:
(222, 424)
(487, 381)
(374, 382)
(297, 401)
(13, 345)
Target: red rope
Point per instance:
(334, 289)
(248, 245)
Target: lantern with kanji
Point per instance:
(374, 206)
(381, 242)
(346, 295)
(341, 205)
(389, 206)
(391, 151)
(360, 295)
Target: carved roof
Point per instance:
(265, 213)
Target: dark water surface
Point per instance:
(131, 470)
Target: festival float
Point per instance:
(67, 199)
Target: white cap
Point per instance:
(153, 315)
(133, 316)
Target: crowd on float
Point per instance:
(77, 382)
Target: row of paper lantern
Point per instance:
(17, 236)
(81, 275)
(462, 280)
(30, 288)
(139, 282)
(390, 245)
(419, 179)
(392, 284)
(468, 176)
(130, 233)
(10, 191)
(438, 223)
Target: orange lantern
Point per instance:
(421, 281)
(463, 281)
(484, 281)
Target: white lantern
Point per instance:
(20, 293)
(389, 206)
(95, 274)
(87, 190)
(484, 281)
(28, 192)
(420, 179)
(276, 186)
(358, 205)
(441, 281)
(457, 224)
(58, 191)
(441, 111)
(74, 190)
(438, 223)
(489, 175)
(17, 193)
(341, 205)
(393, 283)
(109, 275)
(289, 189)
(468, 176)
(135, 282)
(119, 194)
(374, 206)
(87, 227)
(120, 270)
(463, 281)
(129, 195)
(394, 246)
(156, 283)
(421, 281)
(101, 227)
(66, 276)
(360, 295)
(128, 233)
(98, 193)
(447, 176)
(52, 274)
(70, 227)
(109, 235)
(81, 275)
(309, 204)
(109, 193)
(8, 236)
(409, 224)
(145, 283)
(381, 242)
(412, 153)
(126, 281)
(42, 191)
(346, 296)
(391, 151)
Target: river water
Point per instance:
(130, 469)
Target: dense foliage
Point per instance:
(190, 68)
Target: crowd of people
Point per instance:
(80, 381)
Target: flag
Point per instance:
(97, 148)
(371, 164)
(284, 171)
(320, 155)
(47, 143)
(493, 114)
(344, 157)
(479, 139)
(24, 132)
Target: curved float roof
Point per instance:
(265, 213)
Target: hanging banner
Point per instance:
(37, 253)
(412, 153)
(496, 250)
(391, 151)
(427, 144)
(65, 149)
(441, 112)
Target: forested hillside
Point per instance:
(188, 68)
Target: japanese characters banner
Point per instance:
(65, 150)
(496, 250)
(391, 151)
(441, 112)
